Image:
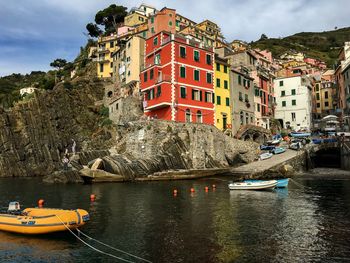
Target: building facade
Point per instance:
(242, 97)
(177, 79)
(106, 46)
(222, 94)
(294, 102)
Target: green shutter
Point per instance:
(218, 100)
(227, 101)
(239, 80)
(192, 94)
(225, 84)
(218, 82)
(217, 67)
(200, 95)
(183, 92)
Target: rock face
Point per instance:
(35, 134)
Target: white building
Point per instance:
(27, 90)
(294, 102)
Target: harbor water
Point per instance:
(308, 222)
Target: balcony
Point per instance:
(149, 65)
(163, 78)
(103, 50)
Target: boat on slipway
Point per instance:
(263, 185)
(41, 220)
(278, 150)
(265, 156)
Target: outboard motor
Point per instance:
(14, 208)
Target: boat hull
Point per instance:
(281, 183)
(263, 185)
(43, 221)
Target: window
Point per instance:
(183, 52)
(284, 103)
(152, 30)
(155, 41)
(111, 44)
(145, 76)
(317, 96)
(217, 67)
(170, 23)
(241, 116)
(196, 74)
(183, 92)
(208, 59)
(326, 104)
(199, 117)
(208, 97)
(209, 77)
(326, 95)
(293, 116)
(294, 102)
(196, 55)
(258, 107)
(283, 93)
(196, 95)
(225, 69)
(188, 115)
(144, 34)
(159, 91)
(248, 81)
(257, 93)
(293, 92)
(141, 19)
(182, 72)
(318, 105)
(111, 65)
(244, 83)
(281, 83)
(317, 87)
(151, 73)
(101, 67)
(152, 20)
(218, 100)
(150, 94)
(177, 23)
(239, 80)
(225, 84)
(227, 101)
(246, 98)
(240, 96)
(218, 82)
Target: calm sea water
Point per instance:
(309, 222)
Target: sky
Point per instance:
(35, 32)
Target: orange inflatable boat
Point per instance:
(41, 220)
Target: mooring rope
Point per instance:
(116, 249)
(298, 184)
(92, 247)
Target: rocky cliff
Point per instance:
(35, 134)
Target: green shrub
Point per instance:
(104, 111)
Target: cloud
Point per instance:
(37, 32)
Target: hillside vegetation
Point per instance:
(321, 45)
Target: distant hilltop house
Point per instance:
(297, 56)
(26, 91)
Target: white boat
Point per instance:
(265, 156)
(260, 185)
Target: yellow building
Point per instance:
(222, 94)
(106, 46)
(135, 18)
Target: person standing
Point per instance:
(65, 162)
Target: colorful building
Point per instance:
(222, 94)
(177, 79)
(106, 46)
(164, 20)
(242, 97)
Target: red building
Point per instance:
(177, 79)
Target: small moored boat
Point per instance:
(253, 185)
(281, 183)
(265, 156)
(267, 147)
(278, 150)
(300, 134)
(41, 220)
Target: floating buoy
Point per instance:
(206, 188)
(192, 190)
(214, 186)
(92, 197)
(175, 192)
(41, 202)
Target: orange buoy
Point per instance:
(92, 197)
(192, 190)
(41, 202)
(206, 188)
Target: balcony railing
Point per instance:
(164, 78)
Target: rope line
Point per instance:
(119, 250)
(90, 246)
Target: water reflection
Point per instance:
(299, 224)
